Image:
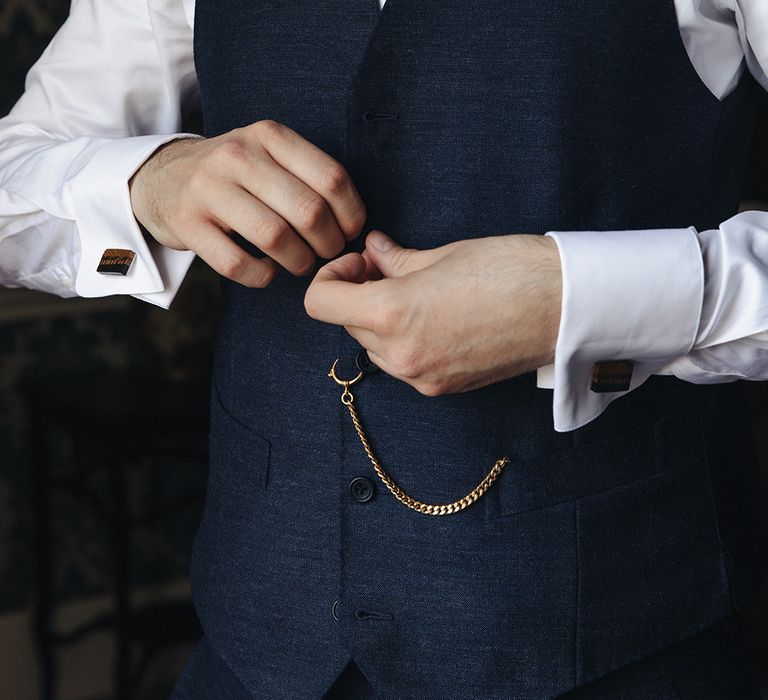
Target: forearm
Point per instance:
(71, 143)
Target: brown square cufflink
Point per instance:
(116, 261)
(613, 375)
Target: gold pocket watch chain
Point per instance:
(427, 508)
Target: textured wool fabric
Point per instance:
(715, 664)
(596, 548)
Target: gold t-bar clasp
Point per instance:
(346, 397)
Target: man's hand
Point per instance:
(264, 181)
(449, 319)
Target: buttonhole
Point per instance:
(369, 116)
(362, 614)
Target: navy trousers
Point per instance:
(716, 664)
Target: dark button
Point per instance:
(364, 363)
(361, 489)
(335, 610)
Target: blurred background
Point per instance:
(103, 427)
(103, 458)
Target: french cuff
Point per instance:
(172, 266)
(100, 199)
(629, 296)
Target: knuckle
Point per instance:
(234, 266)
(430, 388)
(333, 247)
(386, 318)
(265, 277)
(229, 152)
(305, 267)
(336, 178)
(270, 128)
(355, 224)
(338, 249)
(406, 361)
(274, 236)
(312, 211)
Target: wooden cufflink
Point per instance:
(116, 261)
(613, 375)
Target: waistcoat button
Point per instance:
(364, 363)
(361, 489)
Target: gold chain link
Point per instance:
(427, 508)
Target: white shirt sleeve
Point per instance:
(732, 337)
(107, 91)
(640, 303)
(678, 302)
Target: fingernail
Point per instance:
(380, 240)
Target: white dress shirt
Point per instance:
(113, 83)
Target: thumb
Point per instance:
(391, 259)
(347, 268)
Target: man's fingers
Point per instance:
(236, 210)
(380, 362)
(338, 293)
(347, 268)
(303, 208)
(371, 342)
(230, 260)
(392, 260)
(319, 171)
(371, 271)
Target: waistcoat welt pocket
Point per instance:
(567, 475)
(226, 554)
(239, 456)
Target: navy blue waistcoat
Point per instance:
(597, 547)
